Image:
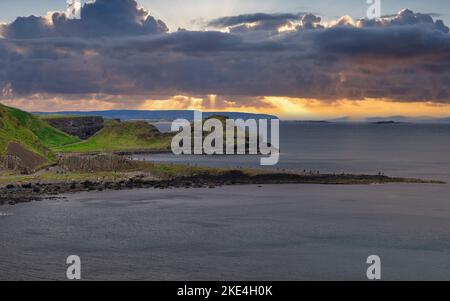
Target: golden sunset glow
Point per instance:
(296, 108)
(289, 108)
(284, 107)
(287, 27)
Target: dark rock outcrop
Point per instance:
(19, 158)
(83, 127)
(92, 163)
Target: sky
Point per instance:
(182, 13)
(294, 58)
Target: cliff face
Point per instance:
(26, 141)
(82, 127)
(21, 159)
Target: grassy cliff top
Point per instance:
(122, 136)
(30, 132)
(57, 116)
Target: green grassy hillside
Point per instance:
(122, 136)
(30, 132)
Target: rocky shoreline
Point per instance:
(28, 192)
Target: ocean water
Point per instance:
(273, 232)
(394, 149)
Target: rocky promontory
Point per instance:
(36, 191)
(82, 127)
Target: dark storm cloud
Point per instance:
(402, 58)
(266, 22)
(253, 18)
(101, 18)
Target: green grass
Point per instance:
(31, 132)
(53, 177)
(160, 171)
(58, 116)
(122, 136)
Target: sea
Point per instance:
(255, 232)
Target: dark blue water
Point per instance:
(397, 150)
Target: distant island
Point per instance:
(156, 115)
(406, 119)
(387, 122)
(169, 115)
